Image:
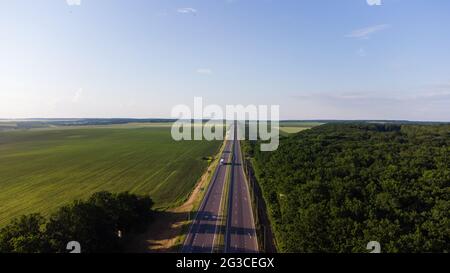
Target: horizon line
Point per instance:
(174, 119)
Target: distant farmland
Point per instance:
(41, 170)
(288, 128)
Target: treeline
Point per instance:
(336, 187)
(99, 224)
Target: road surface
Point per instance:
(203, 233)
(240, 234)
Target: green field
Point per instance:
(293, 130)
(288, 128)
(308, 124)
(41, 170)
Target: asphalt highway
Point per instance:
(204, 230)
(240, 236)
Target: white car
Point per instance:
(222, 161)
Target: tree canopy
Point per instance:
(336, 187)
(94, 223)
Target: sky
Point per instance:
(316, 59)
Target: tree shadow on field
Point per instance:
(161, 234)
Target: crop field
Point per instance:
(308, 124)
(292, 127)
(5, 125)
(293, 130)
(41, 170)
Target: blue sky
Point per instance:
(317, 59)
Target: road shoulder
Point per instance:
(168, 229)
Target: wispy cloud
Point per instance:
(187, 11)
(439, 86)
(361, 52)
(421, 105)
(204, 71)
(76, 97)
(364, 33)
(344, 96)
(374, 2)
(73, 2)
(424, 96)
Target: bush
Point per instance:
(24, 235)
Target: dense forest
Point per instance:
(99, 224)
(336, 187)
